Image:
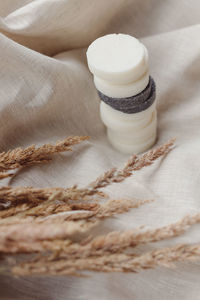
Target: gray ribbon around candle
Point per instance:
(133, 104)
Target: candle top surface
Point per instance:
(115, 53)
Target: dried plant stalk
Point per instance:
(13, 247)
(13, 238)
(12, 196)
(110, 243)
(23, 212)
(6, 213)
(135, 163)
(5, 175)
(35, 196)
(24, 227)
(42, 231)
(110, 208)
(111, 263)
(91, 210)
(120, 241)
(24, 157)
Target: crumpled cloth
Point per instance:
(47, 93)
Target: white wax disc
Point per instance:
(119, 121)
(138, 135)
(119, 90)
(133, 148)
(118, 58)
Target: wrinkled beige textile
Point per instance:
(47, 93)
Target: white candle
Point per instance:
(119, 63)
(122, 90)
(118, 58)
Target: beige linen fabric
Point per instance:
(47, 93)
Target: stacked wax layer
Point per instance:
(119, 64)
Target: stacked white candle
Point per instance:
(119, 63)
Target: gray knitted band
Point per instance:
(135, 103)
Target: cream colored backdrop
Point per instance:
(47, 93)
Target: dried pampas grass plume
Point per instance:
(122, 262)
(19, 157)
(56, 225)
(135, 163)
